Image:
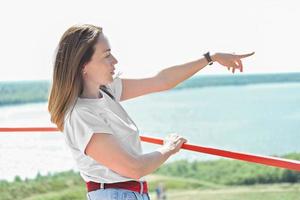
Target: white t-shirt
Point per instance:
(103, 115)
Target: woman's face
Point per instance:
(100, 69)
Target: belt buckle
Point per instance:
(101, 185)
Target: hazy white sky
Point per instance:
(147, 36)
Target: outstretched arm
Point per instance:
(172, 76)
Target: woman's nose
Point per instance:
(115, 60)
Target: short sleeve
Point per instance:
(116, 87)
(83, 123)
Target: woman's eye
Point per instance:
(107, 56)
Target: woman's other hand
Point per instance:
(231, 61)
(173, 142)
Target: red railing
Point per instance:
(265, 160)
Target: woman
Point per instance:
(84, 104)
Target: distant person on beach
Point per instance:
(84, 103)
(161, 192)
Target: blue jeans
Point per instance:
(116, 194)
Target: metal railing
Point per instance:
(259, 159)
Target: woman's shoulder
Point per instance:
(80, 110)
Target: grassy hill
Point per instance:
(178, 189)
(229, 172)
(220, 179)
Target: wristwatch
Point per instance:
(208, 58)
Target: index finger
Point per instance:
(246, 55)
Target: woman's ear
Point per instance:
(83, 69)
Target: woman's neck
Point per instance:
(91, 96)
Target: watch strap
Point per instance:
(208, 58)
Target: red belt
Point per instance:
(136, 186)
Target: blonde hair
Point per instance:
(75, 48)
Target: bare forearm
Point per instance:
(178, 73)
(149, 162)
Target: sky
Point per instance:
(148, 36)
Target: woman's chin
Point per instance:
(111, 79)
